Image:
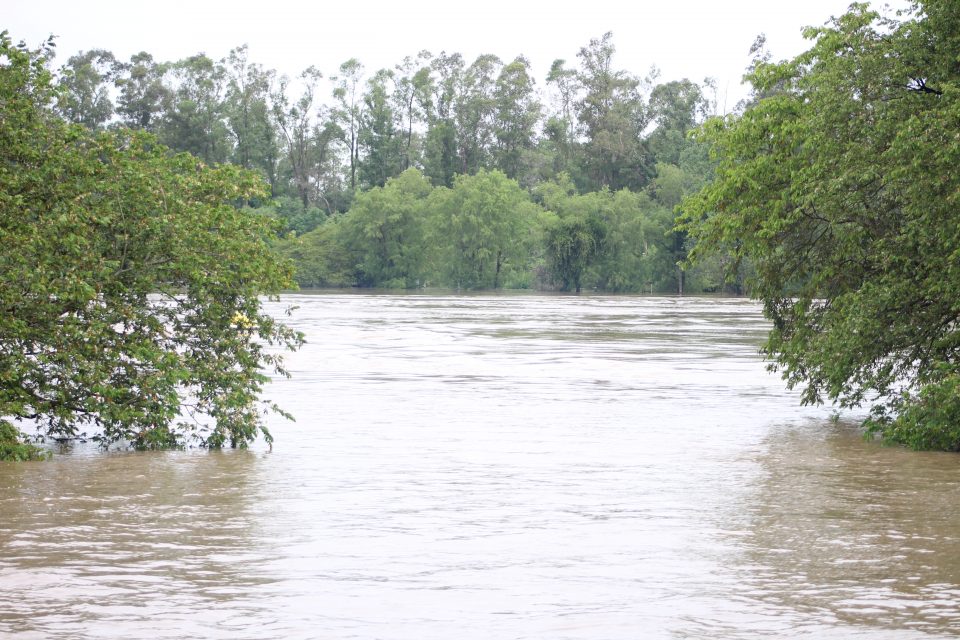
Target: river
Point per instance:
(499, 466)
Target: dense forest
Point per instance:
(440, 171)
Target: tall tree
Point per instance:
(248, 115)
(349, 111)
(612, 116)
(675, 107)
(85, 82)
(561, 126)
(297, 125)
(517, 115)
(195, 120)
(841, 186)
(475, 107)
(380, 138)
(436, 95)
(412, 76)
(144, 95)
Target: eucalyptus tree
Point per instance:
(194, 122)
(561, 125)
(144, 95)
(381, 138)
(298, 128)
(612, 117)
(437, 93)
(475, 110)
(518, 112)
(249, 115)
(410, 78)
(675, 108)
(349, 111)
(85, 84)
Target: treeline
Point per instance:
(437, 172)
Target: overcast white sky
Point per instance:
(684, 38)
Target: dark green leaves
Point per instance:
(841, 187)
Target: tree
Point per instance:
(385, 232)
(607, 240)
(841, 186)
(410, 79)
(612, 116)
(144, 97)
(676, 108)
(561, 126)
(85, 88)
(572, 245)
(308, 134)
(437, 92)
(380, 136)
(194, 121)
(474, 112)
(485, 222)
(248, 115)
(517, 114)
(350, 112)
(129, 289)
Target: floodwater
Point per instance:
(499, 467)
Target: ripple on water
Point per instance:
(499, 466)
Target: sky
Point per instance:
(690, 39)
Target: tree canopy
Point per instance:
(129, 281)
(841, 185)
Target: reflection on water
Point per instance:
(94, 545)
(499, 467)
(841, 532)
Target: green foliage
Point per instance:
(841, 186)
(572, 245)
(604, 128)
(517, 113)
(384, 232)
(320, 257)
(84, 96)
(194, 121)
(484, 230)
(612, 117)
(380, 136)
(612, 241)
(130, 304)
(247, 110)
(929, 419)
(144, 97)
(293, 215)
(13, 448)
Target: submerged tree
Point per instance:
(129, 284)
(842, 186)
(485, 225)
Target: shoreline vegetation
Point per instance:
(830, 195)
(440, 170)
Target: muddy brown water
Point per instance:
(499, 466)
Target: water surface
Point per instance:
(499, 467)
